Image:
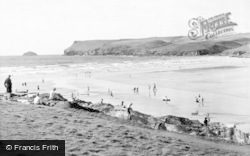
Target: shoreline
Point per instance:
(225, 90)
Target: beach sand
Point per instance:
(98, 134)
(223, 82)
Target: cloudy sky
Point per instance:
(50, 26)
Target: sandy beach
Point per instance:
(223, 82)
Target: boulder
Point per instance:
(57, 97)
(119, 112)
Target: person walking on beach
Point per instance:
(110, 92)
(52, 94)
(202, 101)
(8, 85)
(154, 89)
(88, 90)
(149, 87)
(197, 101)
(38, 88)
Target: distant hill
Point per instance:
(243, 51)
(30, 53)
(168, 46)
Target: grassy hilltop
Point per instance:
(233, 45)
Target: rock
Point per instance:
(30, 53)
(169, 123)
(214, 130)
(57, 97)
(181, 121)
(77, 106)
(119, 112)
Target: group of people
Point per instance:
(199, 100)
(129, 109)
(154, 89)
(38, 101)
(136, 90)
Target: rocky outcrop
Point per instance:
(167, 46)
(30, 53)
(216, 131)
(122, 113)
(212, 131)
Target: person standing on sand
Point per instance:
(154, 89)
(52, 94)
(202, 101)
(149, 87)
(8, 85)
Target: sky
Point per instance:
(51, 26)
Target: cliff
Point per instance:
(168, 46)
(30, 53)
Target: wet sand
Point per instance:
(224, 83)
